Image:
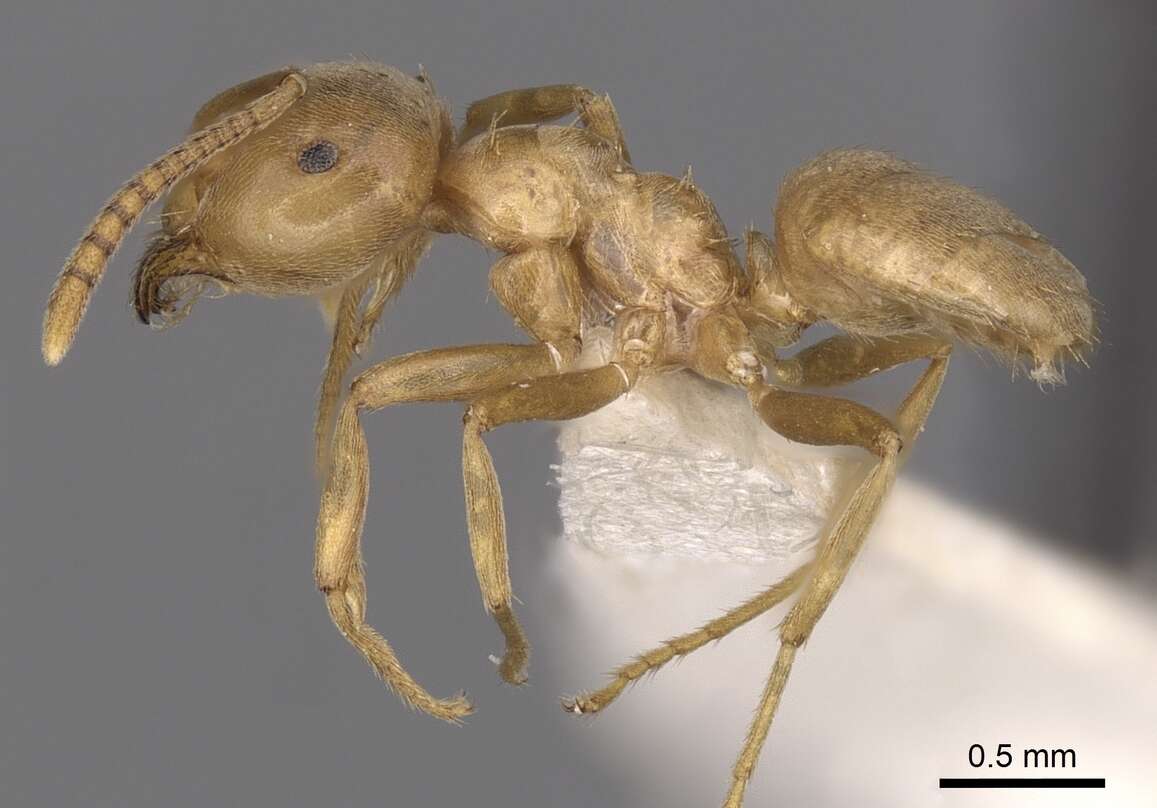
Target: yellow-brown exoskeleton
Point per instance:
(330, 180)
(309, 181)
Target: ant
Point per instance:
(331, 180)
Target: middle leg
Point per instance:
(650, 661)
(352, 327)
(638, 342)
(446, 374)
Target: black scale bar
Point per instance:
(1022, 782)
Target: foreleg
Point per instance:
(439, 375)
(352, 327)
(541, 289)
(341, 354)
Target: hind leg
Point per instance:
(724, 350)
(843, 359)
(826, 421)
(820, 421)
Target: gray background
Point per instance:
(162, 640)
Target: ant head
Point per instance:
(309, 200)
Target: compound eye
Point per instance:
(317, 157)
